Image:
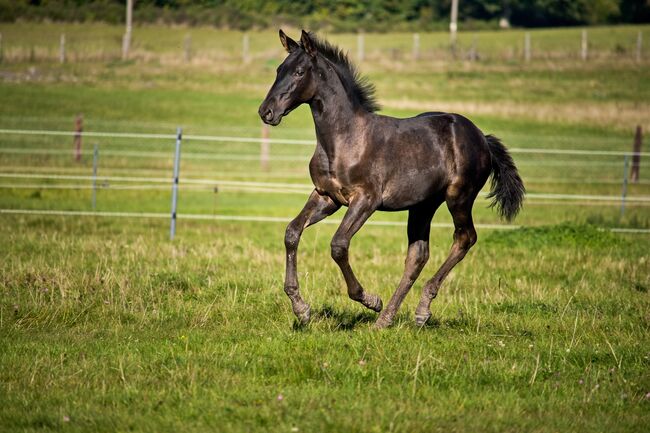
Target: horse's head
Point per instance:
(294, 83)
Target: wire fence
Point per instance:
(50, 179)
(254, 218)
(201, 46)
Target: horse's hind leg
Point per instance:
(317, 207)
(464, 238)
(419, 226)
(358, 213)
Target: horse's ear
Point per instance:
(308, 44)
(289, 44)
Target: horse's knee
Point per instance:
(339, 249)
(292, 236)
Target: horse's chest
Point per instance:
(327, 181)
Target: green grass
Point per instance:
(106, 325)
(115, 328)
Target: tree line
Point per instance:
(335, 15)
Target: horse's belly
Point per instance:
(403, 194)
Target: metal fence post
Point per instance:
(177, 160)
(95, 158)
(636, 155)
(624, 192)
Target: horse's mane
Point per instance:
(357, 86)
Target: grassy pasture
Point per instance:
(106, 325)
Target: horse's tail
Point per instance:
(506, 187)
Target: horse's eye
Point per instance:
(299, 72)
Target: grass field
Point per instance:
(106, 325)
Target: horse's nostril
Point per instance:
(269, 115)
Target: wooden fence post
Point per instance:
(78, 129)
(62, 49)
(473, 54)
(265, 146)
(636, 155)
(245, 48)
(126, 39)
(639, 45)
(360, 47)
(584, 46)
(453, 26)
(527, 55)
(416, 47)
(187, 48)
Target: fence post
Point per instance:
(473, 54)
(453, 26)
(177, 158)
(360, 47)
(95, 158)
(1, 53)
(78, 130)
(265, 147)
(527, 47)
(624, 192)
(187, 48)
(636, 155)
(245, 48)
(416, 46)
(584, 47)
(639, 45)
(62, 49)
(126, 39)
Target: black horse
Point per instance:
(370, 162)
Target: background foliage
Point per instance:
(336, 15)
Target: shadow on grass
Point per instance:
(345, 319)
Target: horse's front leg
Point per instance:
(317, 207)
(360, 209)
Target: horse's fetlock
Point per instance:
(356, 295)
(291, 291)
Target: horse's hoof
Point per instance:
(303, 315)
(383, 323)
(421, 319)
(374, 303)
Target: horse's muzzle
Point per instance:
(269, 116)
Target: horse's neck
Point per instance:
(336, 119)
